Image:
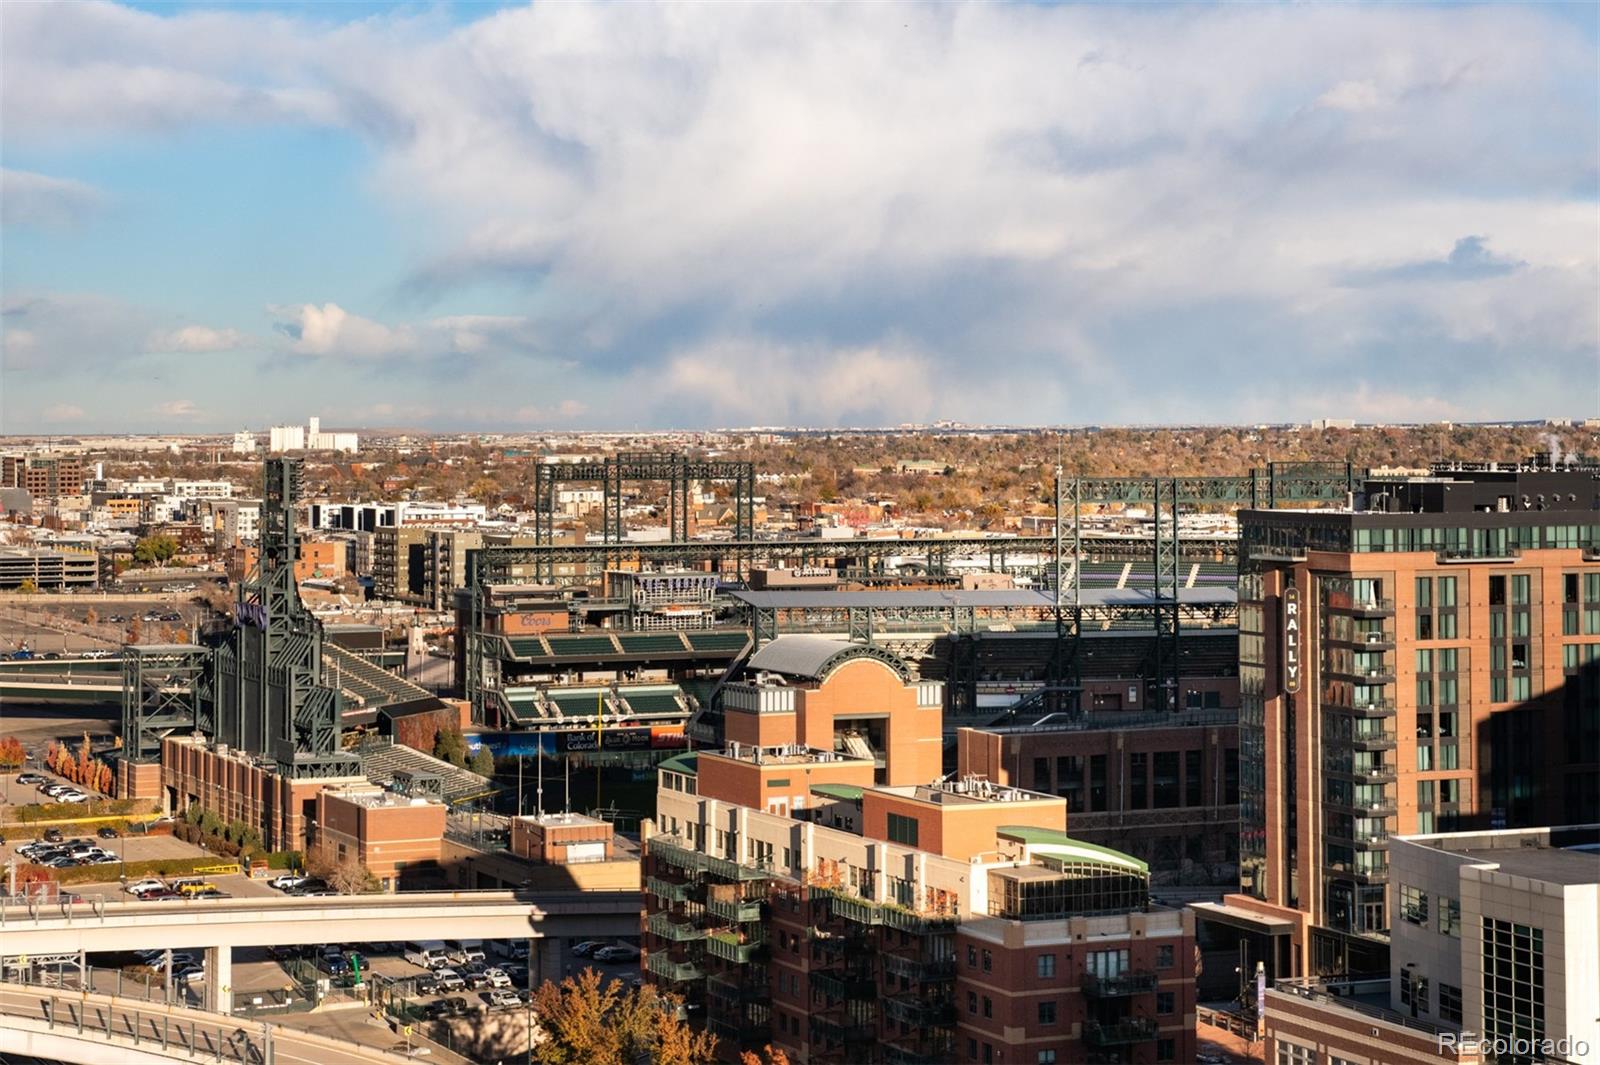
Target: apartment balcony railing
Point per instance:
(919, 1012)
(851, 908)
(673, 853)
(917, 923)
(1366, 707)
(1365, 871)
(739, 911)
(1384, 807)
(738, 987)
(846, 1031)
(860, 986)
(728, 869)
(663, 925)
(1381, 739)
(677, 972)
(1135, 982)
(919, 969)
(1371, 607)
(668, 890)
(1277, 553)
(1122, 1033)
(730, 947)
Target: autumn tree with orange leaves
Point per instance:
(594, 1024)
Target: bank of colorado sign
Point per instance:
(1291, 639)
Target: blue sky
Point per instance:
(618, 216)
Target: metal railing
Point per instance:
(1341, 994)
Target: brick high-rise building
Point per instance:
(45, 475)
(816, 888)
(1414, 663)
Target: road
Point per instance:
(133, 1024)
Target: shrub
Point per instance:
(95, 874)
(286, 860)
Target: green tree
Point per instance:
(28, 586)
(482, 762)
(451, 747)
(159, 548)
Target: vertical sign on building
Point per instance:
(1291, 639)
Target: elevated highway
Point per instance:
(74, 925)
(92, 1029)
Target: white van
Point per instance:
(426, 953)
(466, 951)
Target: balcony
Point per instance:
(1452, 556)
(848, 1031)
(916, 923)
(661, 924)
(1379, 808)
(919, 1012)
(728, 947)
(919, 970)
(672, 852)
(737, 987)
(728, 869)
(677, 972)
(1277, 553)
(1122, 1033)
(1366, 872)
(850, 908)
(858, 986)
(668, 890)
(1123, 985)
(738, 911)
(1364, 707)
(1380, 739)
(1371, 607)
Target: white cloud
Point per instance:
(178, 408)
(33, 199)
(63, 412)
(194, 339)
(749, 381)
(1102, 201)
(333, 332)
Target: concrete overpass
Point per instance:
(73, 925)
(55, 1025)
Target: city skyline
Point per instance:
(569, 217)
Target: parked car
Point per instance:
(504, 1000)
(619, 952)
(288, 881)
(30, 778)
(107, 832)
(447, 980)
(497, 978)
(158, 895)
(149, 883)
(587, 947)
(193, 974)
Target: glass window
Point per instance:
(1447, 691)
(1497, 689)
(1497, 590)
(1521, 584)
(1424, 626)
(972, 1002)
(1047, 1057)
(1449, 920)
(988, 960)
(1447, 591)
(1047, 1012)
(1424, 593)
(903, 829)
(1447, 660)
(1166, 1002)
(1521, 688)
(988, 1006)
(1424, 661)
(1138, 780)
(1413, 905)
(1164, 956)
(972, 956)
(1450, 1003)
(1424, 758)
(1521, 623)
(1046, 964)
